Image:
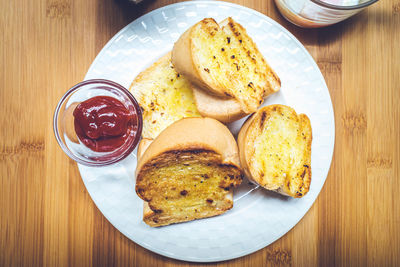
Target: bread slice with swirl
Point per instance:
(188, 172)
(275, 150)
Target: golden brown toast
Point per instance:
(275, 150)
(149, 216)
(188, 172)
(164, 96)
(224, 61)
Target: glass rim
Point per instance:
(125, 153)
(332, 6)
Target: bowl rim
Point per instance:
(336, 7)
(116, 86)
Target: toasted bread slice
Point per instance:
(164, 95)
(224, 110)
(275, 150)
(225, 62)
(148, 214)
(188, 172)
(258, 68)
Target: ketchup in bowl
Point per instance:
(103, 123)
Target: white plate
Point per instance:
(258, 217)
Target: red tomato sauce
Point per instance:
(103, 123)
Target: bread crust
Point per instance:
(143, 145)
(246, 152)
(242, 144)
(224, 110)
(194, 133)
(142, 76)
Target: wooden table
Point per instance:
(48, 218)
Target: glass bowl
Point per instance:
(316, 13)
(63, 122)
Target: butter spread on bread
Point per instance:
(164, 96)
(275, 150)
(188, 172)
(224, 61)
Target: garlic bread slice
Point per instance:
(188, 172)
(226, 62)
(164, 96)
(257, 70)
(275, 150)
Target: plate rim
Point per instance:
(332, 122)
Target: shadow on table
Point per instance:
(131, 11)
(113, 15)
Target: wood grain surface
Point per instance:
(47, 217)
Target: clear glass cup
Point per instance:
(316, 13)
(63, 122)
